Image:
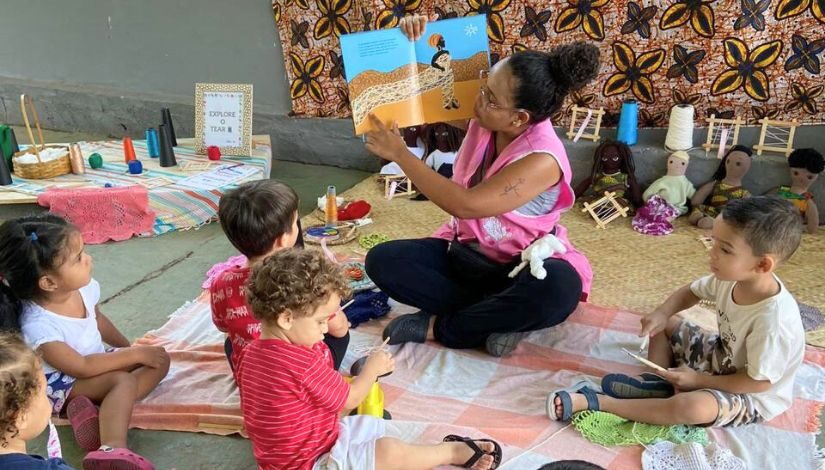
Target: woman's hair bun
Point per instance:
(574, 65)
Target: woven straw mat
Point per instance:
(631, 271)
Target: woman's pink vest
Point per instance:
(504, 237)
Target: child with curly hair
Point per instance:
(24, 406)
(291, 397)
(47, 288)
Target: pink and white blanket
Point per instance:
(436, 391)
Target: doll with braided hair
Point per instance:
(442, 141)
(614, 171)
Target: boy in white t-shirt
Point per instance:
(744, 374)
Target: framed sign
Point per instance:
(223, 117)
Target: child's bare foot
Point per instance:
(463, 453)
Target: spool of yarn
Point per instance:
(135, 167)
(128, 149)
(95, 161)
(680, 128)
(9, 146)
(76, 159)
(152, 145)
(166, 119)
(331, 210)
(167, 153)
(628, 122)
(5, 172)
(213, 152)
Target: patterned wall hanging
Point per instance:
(751, 58)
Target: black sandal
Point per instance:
(478, 453)
(410, 328)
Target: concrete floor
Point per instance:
(139, 292)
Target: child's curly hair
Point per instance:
(296, 280)
(19, 382)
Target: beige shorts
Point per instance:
(355, 447)
(701, 350)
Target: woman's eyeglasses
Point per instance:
(485, 95)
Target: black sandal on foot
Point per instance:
(478, 453)
(410, 328)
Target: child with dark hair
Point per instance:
(724, 186)
(805, 165)
(292, 398)
(570, 465)
(259, 218)
(741, 375)
(24, 406)
(47, 284)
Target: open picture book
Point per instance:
(434, 79)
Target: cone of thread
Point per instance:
(5, 172)
(152, 143)
(167, 153)
(128, 150)
(76, 159)
(166, 118)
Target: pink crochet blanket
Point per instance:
(103, 214)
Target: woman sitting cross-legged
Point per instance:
(511, 183)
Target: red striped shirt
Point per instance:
(290, 399)
(230, 312)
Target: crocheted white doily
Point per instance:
(691, 456)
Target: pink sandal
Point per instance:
(83, 416)
(110, 458)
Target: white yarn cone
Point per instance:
(680, 128)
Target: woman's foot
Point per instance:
(502, 344)
(410, 328)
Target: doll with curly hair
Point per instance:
(805, 166)
(614, 171)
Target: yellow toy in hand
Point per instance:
(373, 404)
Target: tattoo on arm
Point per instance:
(512, 188)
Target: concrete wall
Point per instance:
(156, 47)
(108, 67)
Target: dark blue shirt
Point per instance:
(31, 462)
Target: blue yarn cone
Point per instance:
(628, 122)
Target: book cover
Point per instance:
(433, 79)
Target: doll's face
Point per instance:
(442, 138)
(737, 164)
(676, 166)
(802, 178)
(411, 135)
(611, 161)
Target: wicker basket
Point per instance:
(40, 170)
